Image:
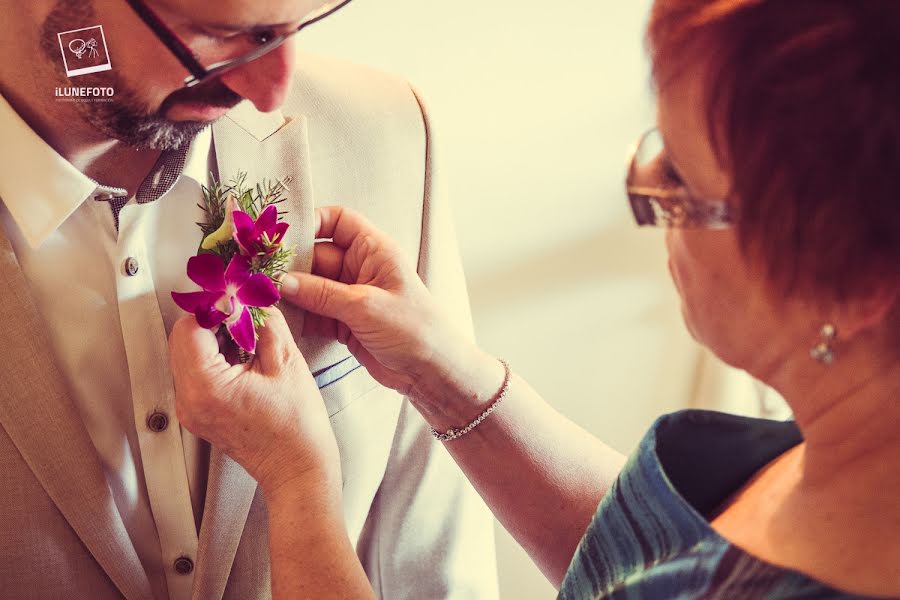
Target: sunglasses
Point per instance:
(657, 199)
(200, 73)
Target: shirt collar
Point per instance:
(41, 189)
(196, 163)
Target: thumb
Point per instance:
(191, 343)
(319, 295)
(192, 348)
(276, 347)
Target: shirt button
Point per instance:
(184, 565)
(157, 422)
(131, 266)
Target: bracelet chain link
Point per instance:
(452, 434)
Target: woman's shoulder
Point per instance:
(651, 536)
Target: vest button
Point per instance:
(157, 422)
(184, 565)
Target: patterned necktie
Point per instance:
(160, 180)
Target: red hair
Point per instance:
(803, 102)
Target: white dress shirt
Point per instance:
(105, 297)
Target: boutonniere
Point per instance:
(240, 259)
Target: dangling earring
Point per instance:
(823, 352)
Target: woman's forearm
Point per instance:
(311, 554)
(540, 474)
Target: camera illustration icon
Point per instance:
(84, 51)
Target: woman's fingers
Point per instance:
(342, 225)
(191, 344)
(276, 347)
(320, 295)
(197, 366)
(328, 260)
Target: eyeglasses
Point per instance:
(658, 198)
(199, 73)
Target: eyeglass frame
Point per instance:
(190, 61)
(661, 207)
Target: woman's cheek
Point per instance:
(692, 281)
(672, 251)
(673, 275)
(681, 266)
(696, 293)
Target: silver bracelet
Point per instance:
(452, 434)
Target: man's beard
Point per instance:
(127, 118)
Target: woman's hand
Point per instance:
(270, 418)
(267, 415)
(365, 294)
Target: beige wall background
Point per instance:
(536, 104)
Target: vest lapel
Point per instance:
(44, 424)
(265, 146)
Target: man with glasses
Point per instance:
(104, 495)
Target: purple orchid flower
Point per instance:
(227, 294)
(261, 238)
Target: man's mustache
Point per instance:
(212, 93)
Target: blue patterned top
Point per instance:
(650, 537)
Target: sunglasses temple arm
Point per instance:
(168, 38)
(325, 13)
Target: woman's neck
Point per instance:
(848, 413)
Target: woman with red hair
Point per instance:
(775, 168)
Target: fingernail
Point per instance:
(290, 285)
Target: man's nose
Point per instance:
(266, 80)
